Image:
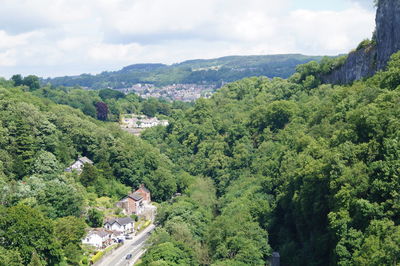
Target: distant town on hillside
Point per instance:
(189, 80)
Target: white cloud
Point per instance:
(330, 32)
(7, 58)
(57, 37)
(13, 41)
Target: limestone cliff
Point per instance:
(359, 64)
(366, 61)
(387, 30)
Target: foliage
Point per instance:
(10, 257)
(102, 111)
(306, 169)
(365, 44)
(95, 218)
(97, 257)
(31, 81)
(42, 206)
(28, 231)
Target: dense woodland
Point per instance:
(42, 208)
(307, 169)
(291, 165)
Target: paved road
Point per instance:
(135, 246)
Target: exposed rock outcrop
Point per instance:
(387, 30)
(366, 61)
(359, 64)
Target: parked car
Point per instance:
(128, 237)
(129, 256)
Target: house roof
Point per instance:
(144, 188)
(120, 221)
(100, 232)
(135, 196)
(85, 160)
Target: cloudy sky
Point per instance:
(67, 37)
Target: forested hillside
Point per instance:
(290, 165)
(43, 209)
(307, 169)
(212, 71)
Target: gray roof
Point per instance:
(85, 160)
(121, 221)
(99, 232)
(135, 196)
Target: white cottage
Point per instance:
(124, 225)
(79, 164)
(98, 238)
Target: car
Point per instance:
(128, 237)
(128, 257)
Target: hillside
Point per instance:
(305, 165)
(308, 170)
(43, 209)
(211, 72)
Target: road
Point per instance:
(135, 246)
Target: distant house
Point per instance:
(79, 164)
(124, 225)
(99, 238)
(134, 203)
(141, 121)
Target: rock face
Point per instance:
(359, 64)
(387, 30)
(366, 61)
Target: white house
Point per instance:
(79, 164)
(98, 237)
(125, 225)
(141, 121)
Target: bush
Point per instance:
(97, 257)
(364, 44)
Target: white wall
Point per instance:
(93, 239)
(119, 228)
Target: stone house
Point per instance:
(134, 203)
(145, 193)
(131, 204)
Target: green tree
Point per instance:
(17, 79)
(45, 163)
(95, 218)
(381, 245)
(59, 199)
(69, 230)
(10, 257)
(32, 82)
(89, 175)
(35, 260)
(169, 253)
(27, 230)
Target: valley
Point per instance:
(242, 160)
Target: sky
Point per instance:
(52, 38)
